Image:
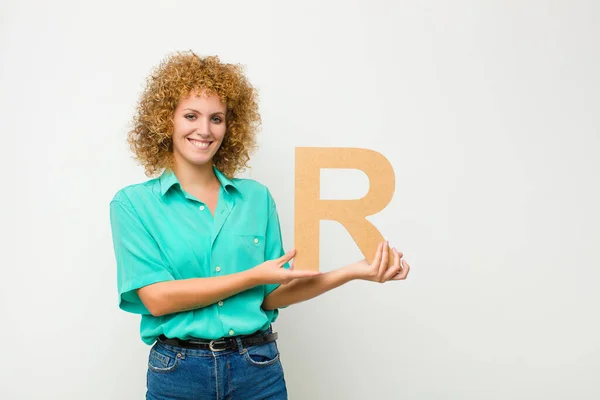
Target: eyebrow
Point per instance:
(196, 111)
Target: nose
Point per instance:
(203, 127)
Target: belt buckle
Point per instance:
(211, 344)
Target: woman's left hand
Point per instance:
(379, 269)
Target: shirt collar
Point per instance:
(168, 179)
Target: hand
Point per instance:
(272, 271)
(378, 270)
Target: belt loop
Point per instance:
(238, 341)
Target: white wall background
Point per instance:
(488, 112)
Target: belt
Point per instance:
(221, 344)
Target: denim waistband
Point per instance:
(207, 352)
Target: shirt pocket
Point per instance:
(247, 249)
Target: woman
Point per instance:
(199, 252)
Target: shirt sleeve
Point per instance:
(274, 243)
(138, 258)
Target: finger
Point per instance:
(383, 266)
(286, 257)
(395, 268)
(377, 259)
(403, 273)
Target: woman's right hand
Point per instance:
(272, 271)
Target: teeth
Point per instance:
(200, 145)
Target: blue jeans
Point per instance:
(247, 373)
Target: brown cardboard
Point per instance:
(310, 209)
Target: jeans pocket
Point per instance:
(262, 355)
(162, 360)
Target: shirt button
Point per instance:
(201, 208)
(218, 269)
(256, 240)
(231, 332)
(220, 304)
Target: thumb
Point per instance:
(286, 257)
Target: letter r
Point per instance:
(309, 209)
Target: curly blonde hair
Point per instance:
(178, 76)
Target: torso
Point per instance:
(164, 233)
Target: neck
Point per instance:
(197, 177)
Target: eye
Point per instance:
(190, 117)
(217, 119)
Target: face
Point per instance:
(199, 128)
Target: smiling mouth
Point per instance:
(200, 144)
